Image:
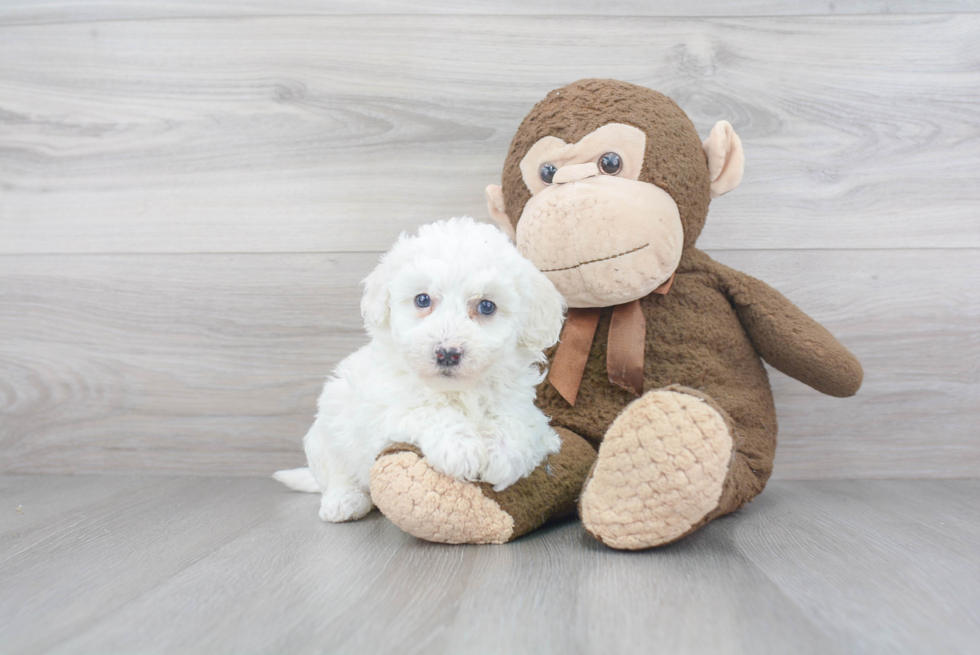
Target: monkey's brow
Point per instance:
(593, 261)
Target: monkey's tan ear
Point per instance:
(495, 205)
(726, 160)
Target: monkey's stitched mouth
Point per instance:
(593, 261)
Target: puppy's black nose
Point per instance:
(448, 356)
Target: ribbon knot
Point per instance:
(624, 348)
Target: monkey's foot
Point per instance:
(435, 507)
(661, 471)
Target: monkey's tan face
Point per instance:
(601, 236)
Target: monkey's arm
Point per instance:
(789, 339)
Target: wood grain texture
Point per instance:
(21, 12)
(917, 541)
(210, 565)
(92, 561)
(333, 133)
(202, 362)
(35, 502)
(210, 364)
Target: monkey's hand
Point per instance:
(789, 339)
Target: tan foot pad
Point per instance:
(433, 506)
(660, 472)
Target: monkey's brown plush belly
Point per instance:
(694, 339)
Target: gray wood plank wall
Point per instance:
(189, 193)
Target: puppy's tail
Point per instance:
(298, 479)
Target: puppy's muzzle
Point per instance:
(447, 358)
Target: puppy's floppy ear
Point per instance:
(546, 311)
(374, 302)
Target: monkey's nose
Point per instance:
(447, 357)
(575, 172)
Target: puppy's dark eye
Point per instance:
(548, 173)
(610, 163)
(423, 300)
(486, 307)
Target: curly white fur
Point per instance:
(473, 421)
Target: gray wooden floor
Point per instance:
(174, 564)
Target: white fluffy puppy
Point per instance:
(458, 320)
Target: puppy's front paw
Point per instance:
(459, 457)
(505, 466)
(344, 504)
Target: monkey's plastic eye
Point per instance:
(486, 307)
(422, 300)
(610, 163)
(548, 173)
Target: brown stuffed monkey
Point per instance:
(606, 189)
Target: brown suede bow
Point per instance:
(624, 352)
